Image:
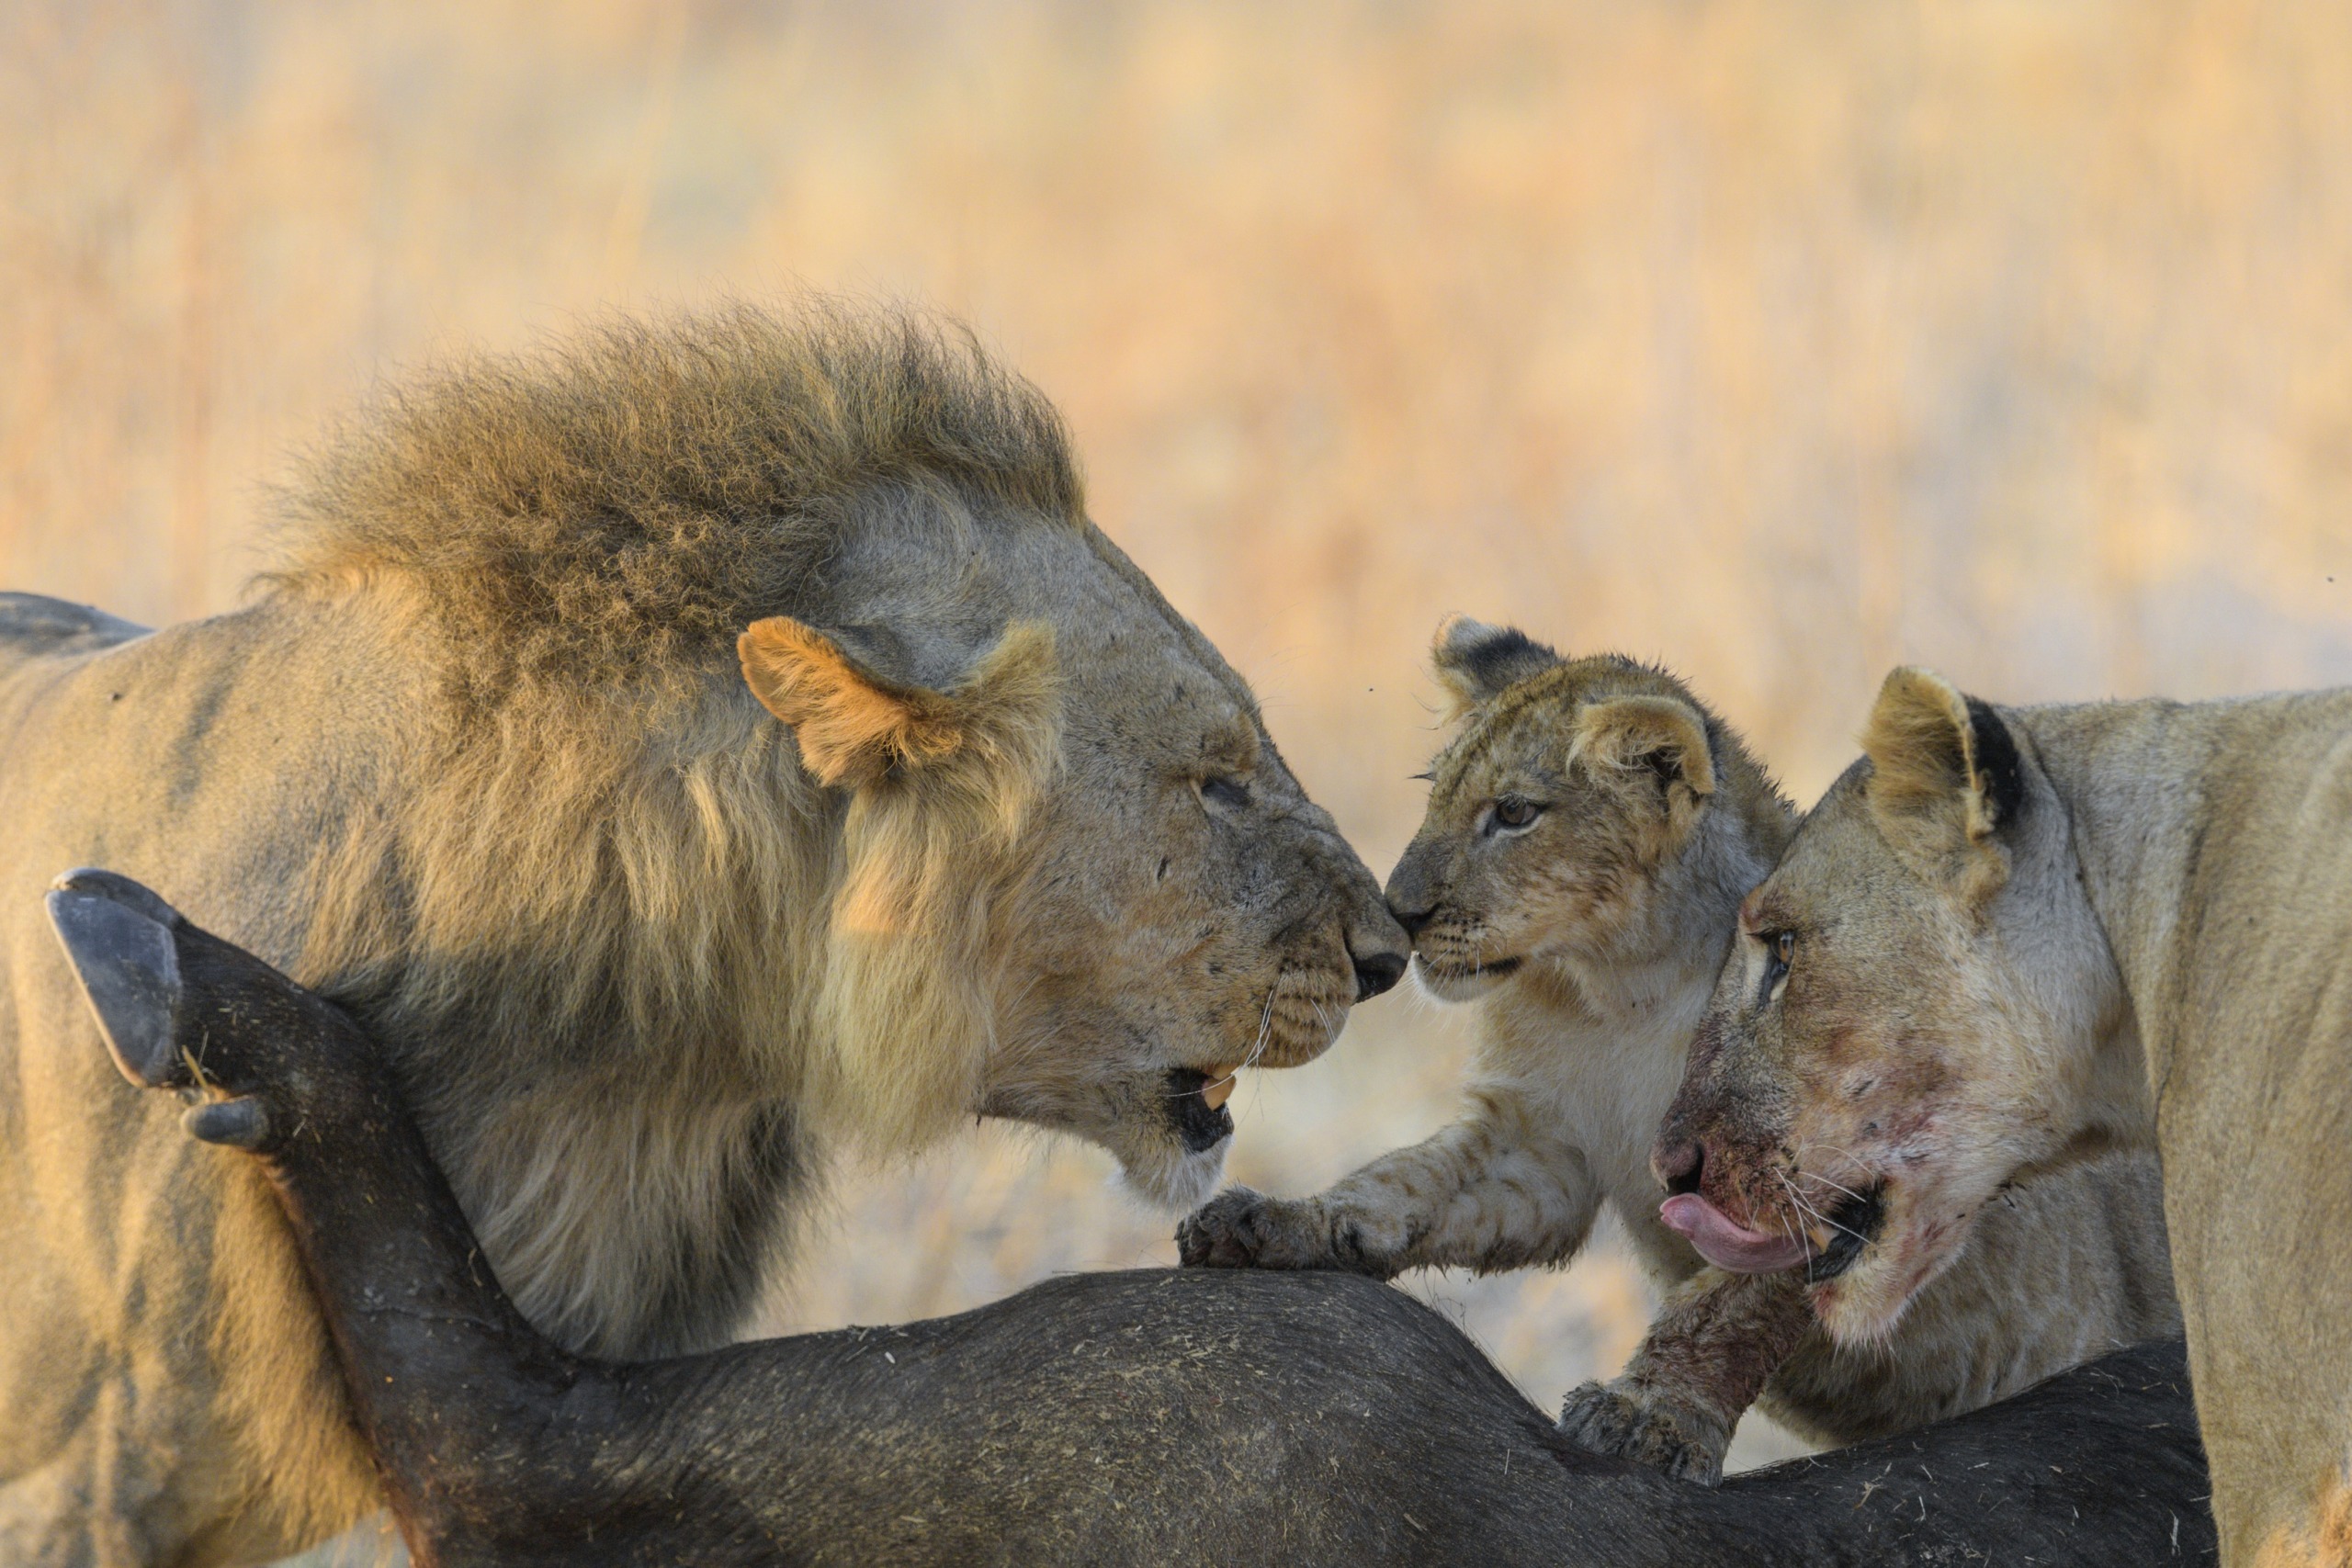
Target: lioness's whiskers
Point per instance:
(1847, 1155)
(1788, 1229)
(1826, 1182)
(1797, 1198)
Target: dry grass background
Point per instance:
(1783, 339)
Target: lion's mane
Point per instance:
(596, 902)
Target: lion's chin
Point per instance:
(1171, 1177)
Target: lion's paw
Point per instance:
(1631, 1422)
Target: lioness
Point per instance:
(494, 759)
(2020, 936)
(1590, 835)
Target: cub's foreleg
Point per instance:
(1494, 1190)
(1715, 1340)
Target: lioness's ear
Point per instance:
(1656, 743)
(855, 725)
(1475, 661)
(1945, 776)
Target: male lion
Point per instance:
(484, 760)
(2019, 936)
(1590, 835)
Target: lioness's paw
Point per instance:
(1631, 1422)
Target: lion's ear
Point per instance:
(1656, 746)
(855, 724)
(1945, 777)
(1476, 662)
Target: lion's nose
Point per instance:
(1412, 919)
(1376, 972)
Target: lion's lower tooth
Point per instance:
(1219, 1089)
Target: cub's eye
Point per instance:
(1230, 794)
(1784, 946)
(1513, 811)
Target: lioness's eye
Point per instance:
(1230, 794)
(1779, 947)
(1511, 811)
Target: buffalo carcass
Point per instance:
(1146, 1417)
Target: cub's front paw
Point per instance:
(1235, 1229)
(1630, 1421)
(1241, 1229)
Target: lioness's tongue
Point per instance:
(1725, 1242)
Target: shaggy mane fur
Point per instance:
(638, 966)
(623, 505)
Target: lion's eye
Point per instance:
(1780, 948)
(1230, 794)
(1511, 811)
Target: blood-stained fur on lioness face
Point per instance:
(1911, 1015)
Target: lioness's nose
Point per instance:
(1376, 972)
(1679, 1166)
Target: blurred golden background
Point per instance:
(1779, 339)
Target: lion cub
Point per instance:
(1590, 833)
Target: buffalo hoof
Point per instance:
(239, 1123)
(117, 936)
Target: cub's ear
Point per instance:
(1660, 742)
(1475, 661)
(1945, 776)
(856, 725)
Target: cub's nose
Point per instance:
(1412, 919)
(1415, 887)
(1375, 972)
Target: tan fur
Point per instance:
(494, 759)
(1611, 916)
(2025, 936)
(2325, 1541)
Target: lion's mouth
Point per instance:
(1196, 1106)
(1844, 1234)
